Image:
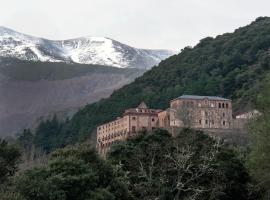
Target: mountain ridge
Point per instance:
(83, 50)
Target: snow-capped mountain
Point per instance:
(85, 50)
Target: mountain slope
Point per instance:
(31, 91)
(84, 50)
(232, 65)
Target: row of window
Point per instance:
(111, 136)
(212, 105)
(134, 118)
(118, 122)
(223, 105)
(111, 129)
(206, 114)
(145, 110)
(212, 122)
(109, 125)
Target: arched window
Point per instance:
(223, 105)
(219, 105)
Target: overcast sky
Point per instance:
(171, 24)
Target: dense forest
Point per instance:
(232, 65)
(150, 166)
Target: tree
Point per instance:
(185, 113)
(259, 158)
(72, 173)
(189, 166)
(47, 134)
(9, 160)
(25, 140)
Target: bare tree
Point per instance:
(186, 115)
(189, 172)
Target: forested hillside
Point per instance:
(232, 65)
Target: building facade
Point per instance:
(248, 115)
(133, 121)
(202, 112)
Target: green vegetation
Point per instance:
(158, 166)
(74, 173)
(259, 158)
(46, 135)
(9, 160)
(233, 65)
(149, 166)
(189, 166)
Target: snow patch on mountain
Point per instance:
(84, 50)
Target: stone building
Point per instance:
(249, 115)
(241, 120)
(167, 118)
(202, 112)
(132, 121)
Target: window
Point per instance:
(223, 105)
(206, 121)
(133, 118)
(206, 114)
(224, 123)
(213, 122)
(153, 119)
(219, 105)
(223, 114)
(227, 105)
(200, 121)
(133, 129)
